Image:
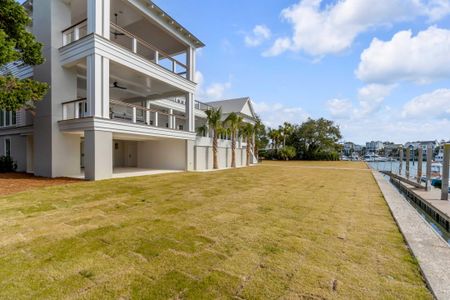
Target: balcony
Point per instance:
(133, 43)
(128, 113)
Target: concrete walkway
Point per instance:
(431, 251)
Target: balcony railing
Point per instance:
(129, 113)
(197, 104)
(129, 41)
(74, 32)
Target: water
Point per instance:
(393, 166)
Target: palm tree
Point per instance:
(214, 121)
(286, 131)
(233, 122)
(275, 136)
(248, 131)
(202, 130)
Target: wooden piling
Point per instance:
(445, 172)
(429, 161)
(419, 163)
(408, 158)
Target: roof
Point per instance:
(174, 24)
(238, 105)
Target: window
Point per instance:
(7, 147)
(7, 118)
(13, 117)
(2, 118)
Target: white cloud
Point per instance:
(422, 58)
(429, 106)
(370, 100)
(275, 114)
(340, 108)
(394, 129)
(371, 97)
(320, 29)
(259, 34)
(214, 91)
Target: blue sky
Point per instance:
(352, 61)
(316, 78)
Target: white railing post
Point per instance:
(157, 57)
(76, 109)
(64, 37)
(147, 113)
(170, 118)
(64, 111)
(156, 119)
(134, 114)
(134, 45)
(174, 66)
(76, 33)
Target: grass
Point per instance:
(279, 230)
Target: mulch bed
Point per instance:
(11, 183)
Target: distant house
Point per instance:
(423, 144)
(374, 146)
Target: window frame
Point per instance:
(7, 151)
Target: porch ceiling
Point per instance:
(136, 84)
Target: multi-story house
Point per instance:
(121, 76)
(374, 146)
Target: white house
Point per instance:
(121, 74)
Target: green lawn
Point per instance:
(278, 230)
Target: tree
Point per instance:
(275, 137)
(287, 153)
(248, 131)
(17, 44)
(233, 122)
(316, 140)
(214, 121)
(261, 139)
(286, 130)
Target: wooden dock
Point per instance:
(428, 201)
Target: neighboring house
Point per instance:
(122, 94)
(374, 146)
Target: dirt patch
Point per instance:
(11, 183)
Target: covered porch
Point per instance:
(113, 154)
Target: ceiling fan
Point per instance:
(117, 86)
(115, 32)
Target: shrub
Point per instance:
(7, 164)
(287, 153)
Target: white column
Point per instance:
(400, 165)
(190, 62)
(98, 15)
(190, 113)
(105, 88)
(98, 156)
(97, 86)
(445, 172)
